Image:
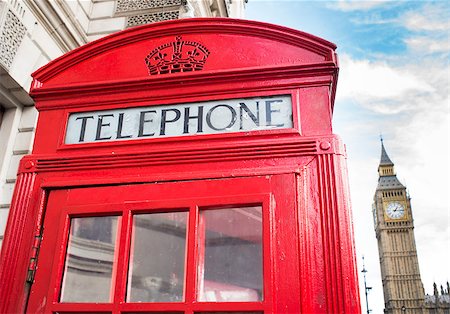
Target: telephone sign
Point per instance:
(235, 115)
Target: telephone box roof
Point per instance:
(233, 48)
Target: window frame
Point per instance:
(126, 210)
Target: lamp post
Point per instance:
(366, 288)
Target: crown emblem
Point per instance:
(177, 56)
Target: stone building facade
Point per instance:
(394, 227)
(32, 33)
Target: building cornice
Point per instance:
(65, 38)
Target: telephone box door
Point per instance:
(179, 247)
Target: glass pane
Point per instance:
(157, 260)
(90, 259)
(230, 267)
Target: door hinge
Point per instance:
(32, 266)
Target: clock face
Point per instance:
(395, 210)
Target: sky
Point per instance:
(394, 81)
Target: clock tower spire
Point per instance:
(394, 228)
(386, 167)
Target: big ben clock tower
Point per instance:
(394, 227)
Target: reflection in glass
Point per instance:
(231, 252)
(90, 259)
(157, 259)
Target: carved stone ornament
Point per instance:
(177, 56)
(139, 5)
(148, 18)
(11, 36)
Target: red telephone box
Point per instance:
(187, 167)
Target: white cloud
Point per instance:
(356, 5)
(431, 28)
(428, 25)
(425, 44)
(374, 19)
(378, 85)
(431, 17)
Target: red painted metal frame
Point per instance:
(310, 267)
